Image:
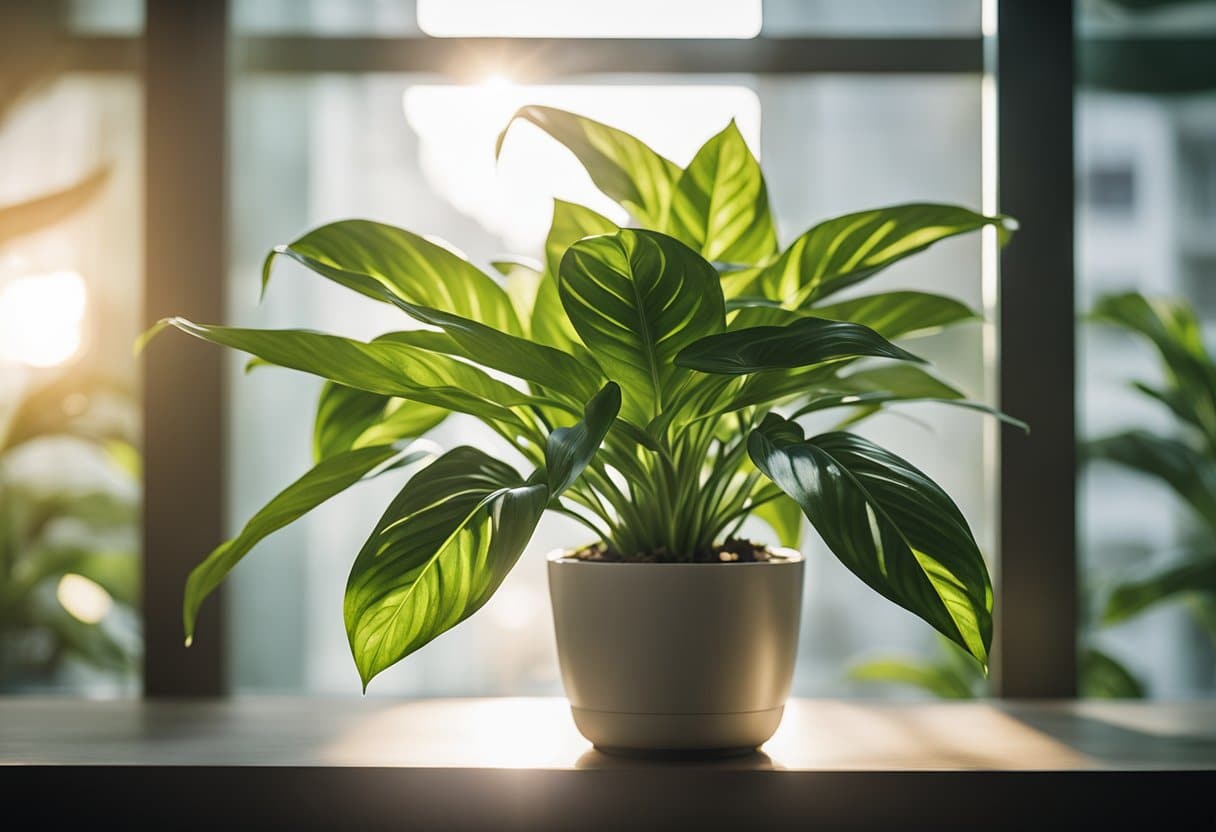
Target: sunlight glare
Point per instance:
(41, 318)
(84, 600)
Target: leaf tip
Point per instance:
(189, 639)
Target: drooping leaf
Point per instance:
(382, 367)
(568, 450)
(1191, 474)
(620, 165)
(329, 477)
(940, 680)
(846, 250)
(887, 522)
(46, 210)
(1193, 576)
(348, 418)
(415, 269)
(1104, 677)
(803, 343)
(636, 298)
(720, 207)
(899, 314)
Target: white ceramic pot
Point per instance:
(659, 657)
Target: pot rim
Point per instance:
(784, 556)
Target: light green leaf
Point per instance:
(620, 165)
(383, 367)
(846, 250)
(942, 681)
(348, 418)
(878, 385)
(887, 522)
(899, 314)
(784, 517)
(636, 298)
(329, 477)
(568, 450)
(571, 223)
(442, 548)
(412, 267)
(720, 207)
(803, 343)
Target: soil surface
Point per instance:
(732, 550)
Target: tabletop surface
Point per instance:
(816, 735)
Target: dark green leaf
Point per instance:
(1103, 677)
(1190, 473)
(846, 250)
(636, 298)
(1197, 576)
(887, 522)
(620, 165)
(568, 450)
(803, 343)
(413, 268)
(329, 477)
(720, 207)
(440, 551)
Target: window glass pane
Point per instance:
(69, 313)
(1146, 162)
(106, 17)
(405, 150)
(873, 18)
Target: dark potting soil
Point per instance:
(732, 550)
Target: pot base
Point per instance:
(673, 735)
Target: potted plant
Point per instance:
(662, 370)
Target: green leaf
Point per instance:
(636, 298)
(571, 223)
(329, 477)
(803, 343)
(878, 385)
(1191, 474)
(887, 522)
(1194, 576)
(942, 681)
(784, 517)
(846, 250)
(897, 314)
(383, 367)
(620, 165)
(413, 268)
(348, 418)
(720, 207)
(568, 450)
(1103, 677)
(442, 548)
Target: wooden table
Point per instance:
(520, 764)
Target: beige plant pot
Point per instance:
(677, 657)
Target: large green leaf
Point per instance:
(329, 477)
(1104, 677)
(720, 207)
(414, 268)
(568, 450)
(878, 385)
(571, 223)
(637, 298)
(348, 418)
(843, 251)
(620, 165)
(802, 343)
(1197, 575)
(441, 549)
(383, 367)
(887, 522)
(896, 314)
(1190, 473)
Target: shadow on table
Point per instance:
(1112, 740)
